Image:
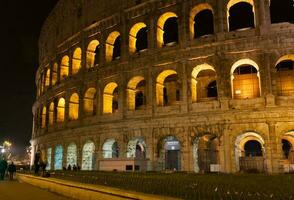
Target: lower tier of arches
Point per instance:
(265, 146)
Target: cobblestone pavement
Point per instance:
(14, 190)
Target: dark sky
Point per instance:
(21, 22)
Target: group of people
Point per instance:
(74, 168)
(5, 167)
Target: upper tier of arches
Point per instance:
(203, 19)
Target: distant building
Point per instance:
(188, 85)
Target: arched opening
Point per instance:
(172, 153)
(138, 38)
(90, 102)
(88, 159)
(282, 11)
(64, 67)
(74, 107)
(49, 158)
(93, 54)
(201, 21)
(167, 88)
(44, 114)
(54, 74)
(60, 110)
(71, 155)
(58, 157)
(47, 78)
(110, 149)
(288, 150)
(167, 29)
(203, 83)
(240, 14)
(76, 60)
(245, 80)
(136, 93)
(249, 152)
(51, 114)
(110, 98)
(252, 148)
(136, 148)
(285, 76)
(206, 153)
(113, 46)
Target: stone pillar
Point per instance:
(131, 99)
(171, 88)
(107, 103)
(273, 153)
(159, 94)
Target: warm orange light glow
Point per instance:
(160, 85)
(131, 91)
(108, 97)
(89, 101)
(110, 45)
(74, 107)
(91, 53)
(64, 67)
(60, 110)
(133, 34)
(160, 25)
(76, 61)
(47, 79)
(44, 112)
(194, 81)
(54, 74)
(198, 8)
(51, 114)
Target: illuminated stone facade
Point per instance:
(123, 80)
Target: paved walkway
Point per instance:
(14, 190)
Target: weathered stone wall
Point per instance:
(75, 23)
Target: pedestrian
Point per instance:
(11, 170)
(74, 168)
(3, 167)
(69, 167)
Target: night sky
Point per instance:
(21, 22)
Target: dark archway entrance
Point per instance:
(172, 153)
(241, 16)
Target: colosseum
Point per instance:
(186, 85)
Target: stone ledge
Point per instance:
(85, 191)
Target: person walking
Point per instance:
(11, 170)
(3, 167)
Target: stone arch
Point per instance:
(58, 157)
(246, 83)
(74, 107)
(60, 110)
(54, 74)
(71, 155)
(287, 141)
(161, 32)
(170, 153)
(92, 54)
(136, 93)
(285, 75)
(110, 149)
(76, 60)
(88, 156)
(90, 102)
(240, 143)
(47, 78)
(64, 67)
(137, 148)
(198, 9)
(205, 152)
(281, 11)
(167, 91)
(44, 115)
(202, 75)
(51, 114)
(138, 42)
(112, 46)
(110, 98)
(247, 9)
